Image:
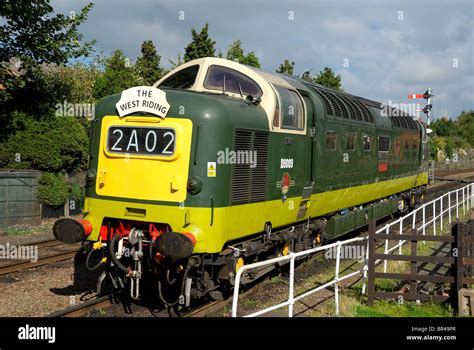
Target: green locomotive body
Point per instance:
(251, 165)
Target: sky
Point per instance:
(383, 49)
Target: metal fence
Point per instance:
(451, 204)
(450, 165)
(19, 204)
(291, 291)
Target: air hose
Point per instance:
(117, 263)
(95, 267)
(168, 304)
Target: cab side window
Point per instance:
(351, 141)
(183, 79)
(291, 110)
(366, 143)
(228, 80)
(331, 138)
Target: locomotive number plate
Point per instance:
(144, 141)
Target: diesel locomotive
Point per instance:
(220, 164)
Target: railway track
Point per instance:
(84, 308)
(41, 261)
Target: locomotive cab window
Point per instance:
(290, 109)
(366, 143)
(384, 144)
(331, 138)
(228, 80)
(183, 79)
(351, 141)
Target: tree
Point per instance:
(325, 77)
(34, 34)
(177, 63)
(119, 74)
(466, 126)
(286, 67)
(200, 46)
(308, 77)
(236, 53)
(148, 64)
(56, 144)
(443, 127)
(32, 39)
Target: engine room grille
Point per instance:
(342, 105)
(249, 183)
(401, 119)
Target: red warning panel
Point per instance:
(415, 96)
(383, 167)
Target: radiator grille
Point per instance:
(249, 183)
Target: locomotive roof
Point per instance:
(337, 103)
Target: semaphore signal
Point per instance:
(427, 109)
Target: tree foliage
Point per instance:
(466, 126)
(200, 46)
(286, 67)
(148, 64)
(451, 135)
(236, 53)
(53, 189)
(119, 74)
(33, 33)
(32, 40)
(326, 77)
(53, 145)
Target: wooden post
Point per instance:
(413, 265)
(469, 253)
(371, 263)
(460, 250)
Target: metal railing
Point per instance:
(448, 205)
(291, 291)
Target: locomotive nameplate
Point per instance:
(143, 99)
(141, 140)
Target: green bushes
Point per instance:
(53, 189)
(53, 145)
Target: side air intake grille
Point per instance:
(249, 181)
(342, 105)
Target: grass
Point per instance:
(18, 230)
(387, 308)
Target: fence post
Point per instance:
(371, 272)
(449, 207)
(457, 204)
(413, 265)
(292, 284)
(424, 219)
(387, 231)
(336, 286)
(441, 216)
(459, 259)
(366, 267)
